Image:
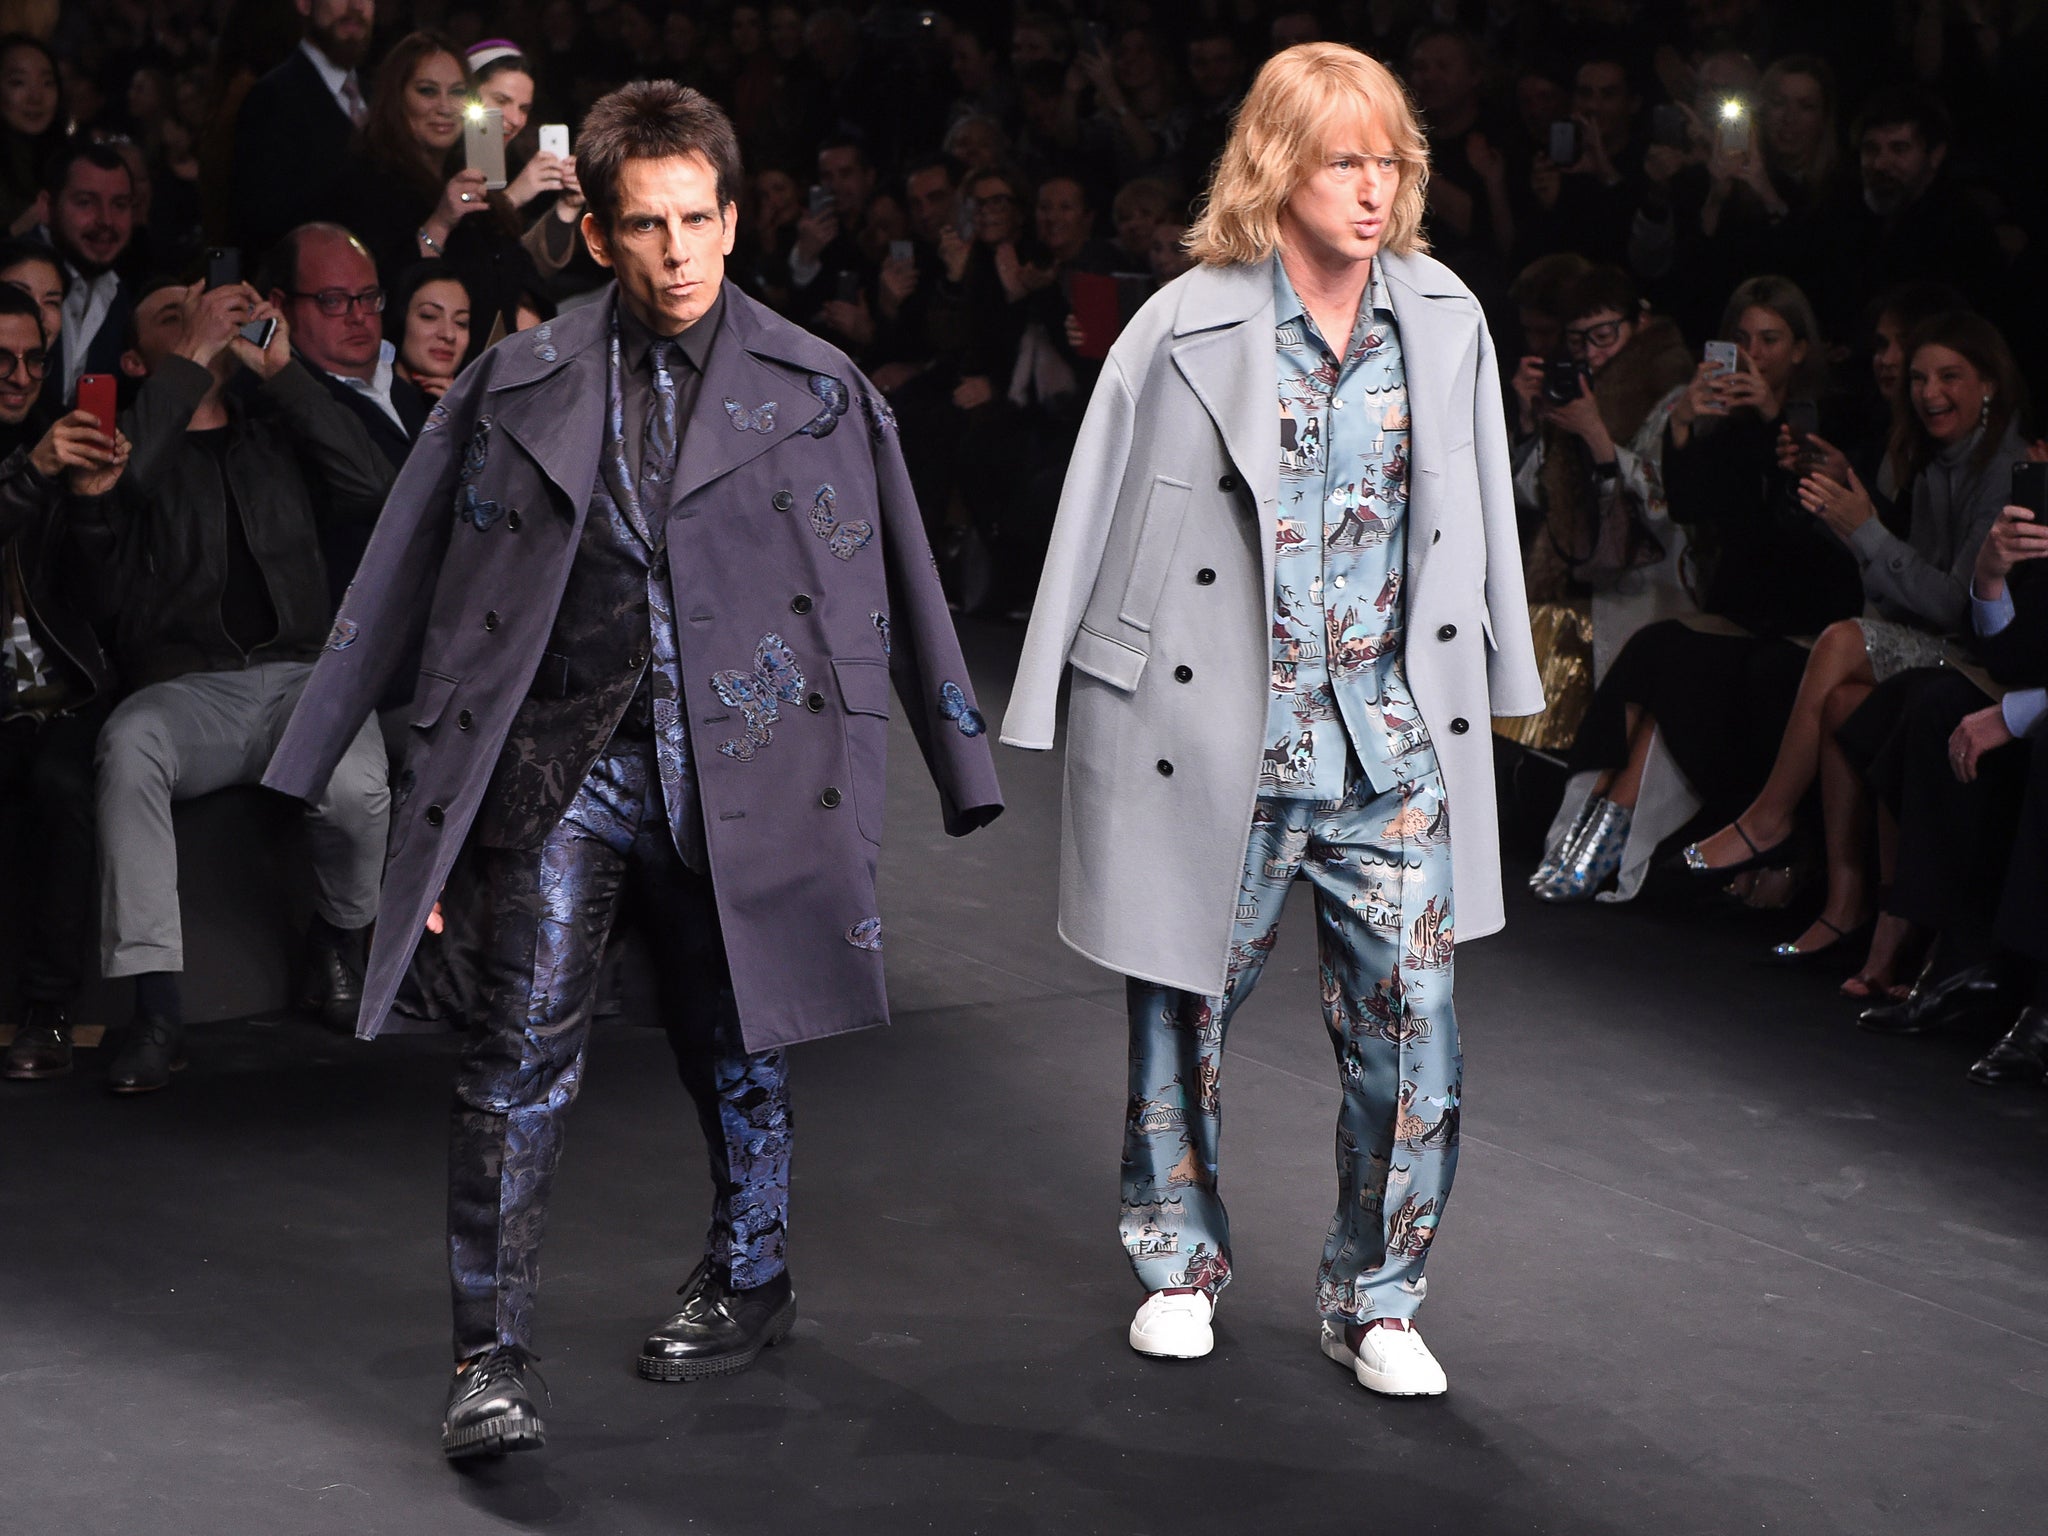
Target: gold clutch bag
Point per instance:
(1563, 633)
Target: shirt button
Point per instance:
(815, 702)
(1165, 769)
(1227, 483)
(464, 720)
(1183, 674)
(491, 619)
(801, 603)
(829, 799)
(1448, 632)
(1205, 577)
(784, 501)
(435, 816)
(1459, 727)
(512, 521)
(1336, 404)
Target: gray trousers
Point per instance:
(206, 731)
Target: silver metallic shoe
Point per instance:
(1597, 857)
(1559, 853)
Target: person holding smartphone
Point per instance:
(544, 189)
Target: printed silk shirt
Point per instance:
(1338, 614)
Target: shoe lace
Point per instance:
(509, 1361)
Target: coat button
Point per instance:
(512, 521)
(1227, 483)
(784, 501)
(1459, 727)
(464, 720)
(829, 799)
(814, 702)
(1448, 632)
(491, 619)
(435, 815)
(1165, 769)
(1205, 577)
(801, 603)
(1183, 674)
(637, 660)
(1437, 537)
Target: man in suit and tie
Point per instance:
(91, 220)
(295, 124)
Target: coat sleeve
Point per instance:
(1512, 679)
(385, 609)
(1080, 533)
(925, 663)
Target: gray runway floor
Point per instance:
(1716, 1263)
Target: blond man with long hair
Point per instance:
(1285, 575)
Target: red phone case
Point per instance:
(1093, 297)
(97, 393)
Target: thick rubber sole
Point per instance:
(515, 1431)
(1155, 1348)
(1335, 1349)
(659, 1368)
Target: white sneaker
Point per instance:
(1175, 1327)
(1390, 1360)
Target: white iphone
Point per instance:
(554, 139)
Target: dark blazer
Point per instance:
(291, 137)
(103, 351)
(790, 525)
(343, 539)
(2018, 654)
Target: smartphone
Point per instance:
(1723, 356)
(223, 266)
(963, 220)
(554, 139)
(1564, 143)
(1669, 127)
(258, 332)
(2030, 488)
(847, 289)
(1733, 130)
(822, 203)
(98, 393)
(483, 145)
(1802, 419)
(901, 250)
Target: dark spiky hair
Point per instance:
(652, 120)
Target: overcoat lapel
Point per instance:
(743, 409)
(552, 402)
(1437, 329)
(1224, 349)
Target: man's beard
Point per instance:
(343, 54)
(86, 266)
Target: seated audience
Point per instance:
(426, 321)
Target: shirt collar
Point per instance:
(694, 344)
(1287, 303)
(330, 72)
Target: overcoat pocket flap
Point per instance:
(1166, 508)
(863, 684)
(1112, 661)
(431, 698)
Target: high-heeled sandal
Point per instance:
(1791, 954)
(1759, 858)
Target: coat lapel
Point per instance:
(551, 398)
(744, 407)
(1223, 347)
(1437, 328)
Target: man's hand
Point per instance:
(891, 377)
(265, 362)
(954, 253)
(90, 454)
(850, 320)
(435, 921)
(2017, 535)
(1581, 418)
(815, 231)
(211, 317)
(973, 392)
(1984, 731)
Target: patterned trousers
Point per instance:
(536, 922)
(1380, 866)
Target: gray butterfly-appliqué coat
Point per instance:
(473, 553)
(1158, 593)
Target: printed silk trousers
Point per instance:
(1381, 869)
(537, 921)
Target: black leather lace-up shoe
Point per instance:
(719, 1331)
(1933, 1004)
(490, 1411)
(41, 1046)
(2021, 1057)
(331, 987)
(152, 1051)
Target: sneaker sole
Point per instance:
(1335, 1350)
(1154, 1349)
(658, 1368)
(516, 1431)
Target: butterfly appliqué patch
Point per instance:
(954, 706)
(831, 394)
(881, 622)
(476, 510)
(760, 419)
(881, 419)
(844, 539)
(437, 418)
(776, 679)
(543, 343)
(344, 633)
(865, 934)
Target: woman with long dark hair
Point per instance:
(31, 126)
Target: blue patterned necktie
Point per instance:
(658, 452)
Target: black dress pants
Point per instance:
(46, 771)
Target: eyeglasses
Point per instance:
(339, 301)
(1582, 338)
(34, 363)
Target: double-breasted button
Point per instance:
(491, 619)
(1227, 483)
(1437, 537)
(1165, 769)
(435, 816)
(814, 702)
(637, 660)
(1183, 674)
(1459, 727)
(464, 720)
(1205, 577)
(512, 521)
(801, 603)
(783, 501)
(829, 799)
(1448, 632)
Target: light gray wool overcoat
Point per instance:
(1158, 592)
